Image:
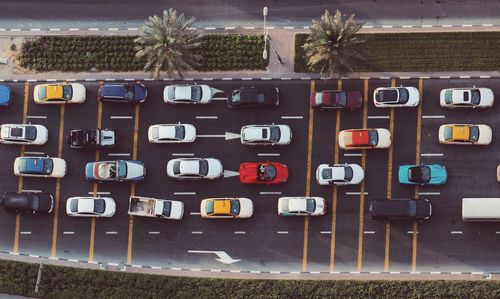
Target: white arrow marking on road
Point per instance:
(223, 257)
(229, 173)
(227, 136)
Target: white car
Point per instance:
(23, 134)
(59, 93)
(43, 167)
(82, 206)
(396, 97)
(339, 174)
(301, 206)
(467, 97)
(188, 94)
(465, 134)
(172, 133)
(226, 208)
(266, 135)
(194, 168)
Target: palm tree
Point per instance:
(167, 43)
(333, 45)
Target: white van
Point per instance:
(481, 209)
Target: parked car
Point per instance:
(270, 173)
(467, 97)
(336, 99)
(172, 133)
(124, 93)
(119, 171)
(355, 139)
(44, 167)
(84, 206)
(431, 174)
(26, 134)
(94, 138)
(465, 134)
(339, 174)
(155, 208)
(396, 97)
(194, 168)
(254, 97)
(226, 208)
(188, 94)
(400, 209)
(5, 96)
(59, 93)
(301, 206)
(266, 135)
(28, 203)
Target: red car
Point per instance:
(263, 173)
(336, 99)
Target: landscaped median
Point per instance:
(64, 282)
(421, 52)
(219, 52)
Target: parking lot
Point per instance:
(344, 239)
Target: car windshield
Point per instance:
(177, 167)
(420, 174)
(167, 208)
(204, 167)
(180, 132)
(412, 208)
(404, 96)
(348, 173)
(310, 205)
(155, 132)
(318, 98)
(266, 172)
(99, 206)
(342, 97)
(30, 133)
(67, 92)
(475, 96)
(447, 133)
(373, 137)
(474, 133)
(236, 96)
(448, 96)
(34, 201)
(275, 134)
(210, 207)
(122, 169)
(235, 207)
(129, 92)
(42, 92)
(74, 206)
(196, 93)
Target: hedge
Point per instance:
(116, 53)
(64, 282)
(422, 52)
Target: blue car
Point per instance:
(432, 174)
(125, 93)
(5, 96)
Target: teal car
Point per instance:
(431, 174)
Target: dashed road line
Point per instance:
(456, 232)
(111, 233)
(356, 193)
(281, 232)
(429, 193)
(240, 232)
(378, 116)
(25, 233)
(153, 233)
(36, 116)
(183, 154)
(325, 232)
(292, 117)
(207, 117)
(119, 154)
(194, 213)
(268, 154)
(432, 154)
(99, 193)
(68, 233)
(197, 233)
(369, 232)
(31, 191)
(269, 193)
(184, 193)
(433, 116)
(120, 117)
(34, 153)
(353, 154)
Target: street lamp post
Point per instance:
(264, 52)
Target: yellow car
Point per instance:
(59, 93)
(465, 134)
(226, 208)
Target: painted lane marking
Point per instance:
(353, 155)
(498, 233)
(132, 29)
(292, 117)
(182, 154)
(219, 98)
(120, 117)
(207, 117)
(111, 233)
(281, 232)
(25, 233)
(119, 154)
(68, 233)
(268, 154)
(410, 232)
(153, 233)
(197, 233)
(184, 193)
(378, 117)
(240, 232)
(325, 232)
(31, 191)
(194, 213)
(269, 193)
(99, 193)
(34, 153)
(369, 232)
(456, 232)
(37, 116)
(432, 155)
(429, 193)
(433, 116)
(356, 193)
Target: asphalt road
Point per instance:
(112, 13)
(345, 239)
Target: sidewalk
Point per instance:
(282, 39)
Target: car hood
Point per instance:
(286, 134)
(439, 174)
(176, 210)
(46, 202)
(59, 169)
(79, 93)
(140, 92)
(246, 208)
(485, 134)
(487, 96)
(135, 170)
(5, 95)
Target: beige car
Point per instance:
(42, 167)
(465, 134)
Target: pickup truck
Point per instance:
(158, 208)
(91, 138)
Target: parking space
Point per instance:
(345, 239)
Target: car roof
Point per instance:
(360, 137)
(222, 206)
(460, 132)
(113, 90)
(34, 164)
(18, 200)
(5, 94)
(393, 207)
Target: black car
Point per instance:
(126, 92)
(254, 96)
(91, 138)
(400, 209)
(29, 203)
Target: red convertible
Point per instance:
(263, 173)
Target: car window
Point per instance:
(310, 205)
(373, 137)
(475, 96)
(204, 167)
(67, 92)
(466, 96)
(412, 208)
(167, 208)
(42, 92)
(129, 92)
(448, 96)
(196, 93)
(404, 96)
(74, 206)
(122, 169)
(99, 206)
(180, 132)
(275, 134)
(235, 207)
(236, 96)
(210, 207)
(30, 133)
(34, 202)
(342, 98)
(48, 165)
(177, 167)
(474, 133)
(155, 132)
(447, 133)
(349, 173)
(261, 97)
(318, 98)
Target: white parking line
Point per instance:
(34, 153)
(325, 232)
(25, 233)
(353, 155)
(432, 116)
(429, 193)
(410, 232)
(292, 117)
(68, 233)
(37, 116)
(194, 213)
(268, 154)
(197, 233)
(119, 154)
(269, 193)
(498, 233)
(154, 233)
(356, 193)
(100, 193)
(456, 232)
(184, 193)
(378, 116)
(432, 155)
(369, 232)
(182, 154)
(31, 191)
(207, 117)
(239, 232)
(111, 233)
(120, 117)
(220, 99)
(282, 232)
